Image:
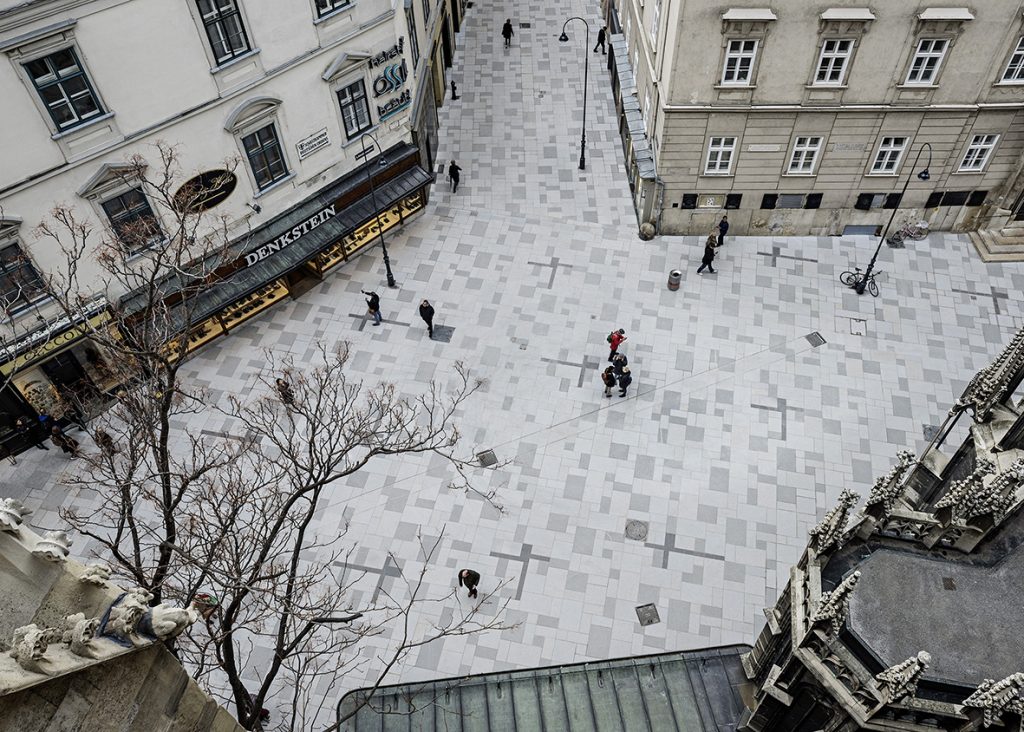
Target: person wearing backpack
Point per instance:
(608, 377)
(615, 339)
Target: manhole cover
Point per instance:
(815, 339)
(487, 458)
(930, 430)
(443, 333)
(858, 326)
(636, 530)
(648, 615)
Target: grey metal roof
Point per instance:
(690, 691)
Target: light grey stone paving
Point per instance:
(737, 435)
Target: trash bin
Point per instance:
(673, 279)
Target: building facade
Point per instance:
(304, 98)
(807, 118)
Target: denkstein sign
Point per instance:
(290, 237)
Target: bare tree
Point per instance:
(231, 525)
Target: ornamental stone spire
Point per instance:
(960, 497)
(888, 488)
(829, 533)
(900, 681)
(995, 698)
(835, 605)
(989, 385)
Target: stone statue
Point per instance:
(29, 646)
(900, 681)
(79, 632)
(889, 488)
(989, 385)
(830, 532)
(96, 574)
(125, 615)
(996, 697)
(166, 621)
(833, 606)
(959, 497)
(54, 545)
(12, 514)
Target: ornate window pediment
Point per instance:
(343, 63)
(109, 177)
(251, 110)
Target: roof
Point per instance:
(689, 691)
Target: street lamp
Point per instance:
(586, 69)
(861, 283)
(381, 162)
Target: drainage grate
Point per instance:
(648, 615)
(815, 339)
(636, 530)
(524, 25)
(440, 169)
(487, 458)
(948, 583)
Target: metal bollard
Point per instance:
(673, 279)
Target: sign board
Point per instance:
(309, 145)
(764, 148)
(705, 201)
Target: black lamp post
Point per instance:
(381, 162)
(586, 69)
(860, 284)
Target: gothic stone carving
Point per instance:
(960, 496)
(994, 698)
(989, 385)
(165, 621)
(12, 514)
(96, 574)
(834, 606)
(54, 545)
(29, 646)
(900, 681)
(79, 632)
(889, 488)
(830, 532)
(125, 615)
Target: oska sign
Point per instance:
(390, 80)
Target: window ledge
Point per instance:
(333, 14)
(274, 186)
(728, 86)
(143, 251)
(827, 87)
(969, 172)
(355, 140)
(881, 175)
(78, 128)
(799, 175)
(716, 175)
(1018, 82)
(236, 60)
(914, 87)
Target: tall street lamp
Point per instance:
(861, 283)
(586, 68)
(381, 162)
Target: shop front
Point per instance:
(297, 249)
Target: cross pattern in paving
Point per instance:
(994, 293)
(699, 454)
(390, 569)
(554, 264)
(776, 254)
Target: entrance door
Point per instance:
(446, 42)
(75, 388)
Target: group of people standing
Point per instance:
(373, 306)
(36, 431)
(715, 239)
(618, 373)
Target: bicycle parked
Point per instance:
(854, 278)
(917, 232)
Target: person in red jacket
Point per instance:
(615, 339)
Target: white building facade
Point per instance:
(286, 89)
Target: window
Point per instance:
(647, 114)
(326, 7)
(925, 66)
(978, 153)
(20, 284)
(426, 11)
(64, 88)
(655, 20)
(224, 28)
(835, 54)
(355, 110)
(414, 36)
(739, 62)
(132, 219)
(266, 160)
(1015, 66)
(720, 151)
(805, 155)
(887, 159)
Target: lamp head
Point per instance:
(563, 38)
(924, 174)
(382, 161)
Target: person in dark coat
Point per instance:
(723, 228)
(469, 579)
(625, 379)
(453, 175)
(619, 362)
(284, 391)
(30, 432)
(455, 95)
(709, 256)
(507, 32)
(65, 442)
(373, 305)
(608, 377)
(104, 442)
(601, 35)
(427, 313)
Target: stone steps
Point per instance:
(999, 246)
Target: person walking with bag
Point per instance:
(709, 255)
(65, 442)
(507, 32)
(373, 305)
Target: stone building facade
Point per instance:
(289, 91)
(807, 118)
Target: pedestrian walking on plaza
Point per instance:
(723, 229)
(373, 305)
(104, 442)
(625, 379)
(601, 35)
(507, 32)
(709, 256)
(427, 313)
(65, 442)
(30, 432)
(455, 95)
(619, 363)
(608, 377)
(453, 175)
(284, 391)
(469, 579)
(615, 339)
